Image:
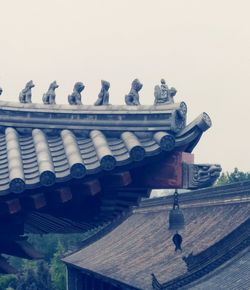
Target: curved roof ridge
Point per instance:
(238, 192)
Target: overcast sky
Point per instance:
(202, 48)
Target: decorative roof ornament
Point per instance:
(75, 98)
(26, 94)
(176, 217)
(49, 98)
(1, 90)
(164, 95)
(203, 175)
(176, 222)
(177, 240)
(132, 98)
(103, 97)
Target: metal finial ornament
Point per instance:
(176, 221)
(26, 94)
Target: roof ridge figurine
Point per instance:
(164, 95)
(49, 97)
(75, 98)
(132, 98)
(26, 94)
(103, 96)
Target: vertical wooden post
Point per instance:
(74, 279)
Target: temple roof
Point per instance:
(43, 145)
(217, 229)
(233, 275)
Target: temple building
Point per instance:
(72, 168)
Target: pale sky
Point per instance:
(202, 48)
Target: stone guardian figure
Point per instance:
(26, 94)
(103, 97)
(164, 95)
(132, 98)
(75, 98)
(49, 98)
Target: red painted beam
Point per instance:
(91, 187)
(63, 194)
(119, 179)
(34, 201)
(166, 173)
(59, 196)
(9, 207)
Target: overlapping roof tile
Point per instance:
(39, 154)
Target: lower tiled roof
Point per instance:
(234, 275)
(143, 245)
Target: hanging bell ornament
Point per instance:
(176, 217)
(177, 240)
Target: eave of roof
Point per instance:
(231, 275)
(34, 158)
(138, 118)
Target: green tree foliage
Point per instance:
(58, 271)
(33, 278)
(231, 177)
(49, 274)
(6, 280)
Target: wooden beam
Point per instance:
(59, 196)
(134, 192)
(11, 226)
(166, 173)
(34, 201)
(91, 187)
(128, 202)
(19, 248)
(119, 179)
(10, 207)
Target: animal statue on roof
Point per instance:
(49, 97)
(164, 95)
(103, 96)
(132, 98)
(75, 98)
(26, 94)
(1, 90)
